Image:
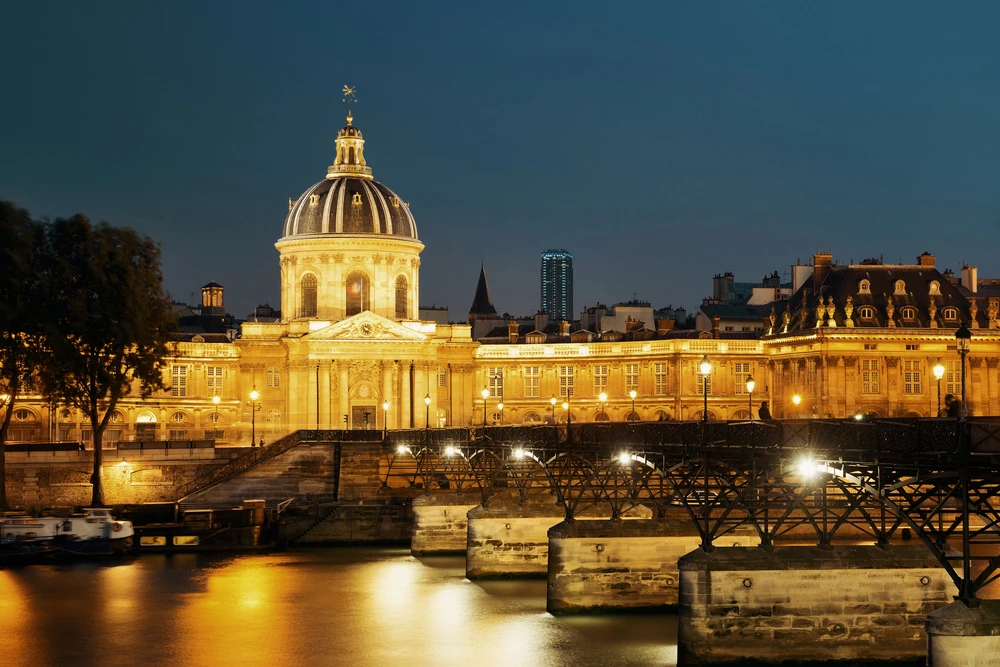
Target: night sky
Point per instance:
(660, 143)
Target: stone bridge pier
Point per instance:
(962, 636)
(797, 603)
(440, 523)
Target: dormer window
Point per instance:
(900, 288)
(866, 313)
(865, 287)
(949, 313)
(535, 338)
(908, 313)
(934, 287)
(313, 200)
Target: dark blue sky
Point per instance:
(661, 143)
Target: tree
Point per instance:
(20, 312)
(109, 325)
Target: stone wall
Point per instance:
(364, 522)
(807, 603)
(441, 524)
(603, 566)
(360, 478)
(961, 636)
(52, 479)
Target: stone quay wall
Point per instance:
(352, 522)
(807, 603)
(441, 523)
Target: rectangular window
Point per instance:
(869, 376)
(214, 374)
(215, 434)
(704, 383)
(911, 377)
(741, 371)
(631, 377)
(811, 377)
(567, 374)
(178, 381)
(871, 346)
(442, 379)
(660, 379)
(178, 434)
(495, 377)
(600, 379)
(953, 377)
(532, 381)
(912, 346)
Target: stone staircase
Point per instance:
(237, 466)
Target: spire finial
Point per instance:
(350, 97)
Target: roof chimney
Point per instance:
(926, 259)
(564, 328)
(663, 326)
(970, 278)
(715, 327)
(541, 321)
(821, 267)
(512, 331)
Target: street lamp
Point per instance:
(215, 413)
(633, 417)
(938, 374)
(427, 411)
(552, 401)
(500, 409)
(486, 394)
(963, 340)
(705, 367)
(750, 385)
(254, 404)
(565, 407)
(602, 399)
(385, 417)
(796, 400)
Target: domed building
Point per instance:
(350, 348)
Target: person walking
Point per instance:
(764, 412)
(955, 408)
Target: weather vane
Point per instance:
(350, 97)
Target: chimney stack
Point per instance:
(926, 259)
(512, 331)
(663, 326)
(541, 321)
(715, 327)
(821, 267)
(970, 278)
(564, 328)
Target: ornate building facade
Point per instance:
(349, 350)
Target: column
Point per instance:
(387, 421)
(325, 422)
(344, 388)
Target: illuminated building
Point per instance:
(557, 284)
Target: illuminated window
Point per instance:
(532, 381)
(567, 375)
(357, 287)
(631, 377)
(308, 308)
(177, 417)
(911, 376)
(660, 379)
(177, 434)
(214, 374)
(178, 381)
(704, 382)
(741, 371)
(495, 377)
(953, 376)
(811, 377)
(531, 418)
(273, 376)
(600, 379)
(869, 376)
(272, 421)
(908, 313)
(866, 313)
(401, 309)
(949, 313)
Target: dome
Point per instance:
(349, 201)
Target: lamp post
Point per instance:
(602, 400)
(569, 417)
(215, 412)
(552, 402)
(796, 399)
(705, 367)
(254, 404)
(750, 385)
(427, 412)
(963, 340)
(486, 394)
(633, 417)
(385, 417)
(500, 410)
(938, 374)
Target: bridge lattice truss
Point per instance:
(834, 480)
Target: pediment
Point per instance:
(366, 326)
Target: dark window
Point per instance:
(308, 296)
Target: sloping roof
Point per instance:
(736, 311)
(482, 303)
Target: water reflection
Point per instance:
(324, 607)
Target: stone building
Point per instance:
(349, 349)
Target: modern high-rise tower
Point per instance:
(557, 284)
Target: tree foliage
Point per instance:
(21, 243)
(108, 324)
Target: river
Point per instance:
(319, 607)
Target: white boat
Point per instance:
(92, 532)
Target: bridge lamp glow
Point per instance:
(518, 453)
(402, 449)
(625, 458)
(858, 417)
(807, 468)
(449, 451)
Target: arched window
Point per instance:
(950, 313)
(401, 309)
(308, 296)
(866, 313)
(357, 287)
(601, 417)
(909, 313)
(273, 376)
(531, 417)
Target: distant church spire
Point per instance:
(482, 304)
